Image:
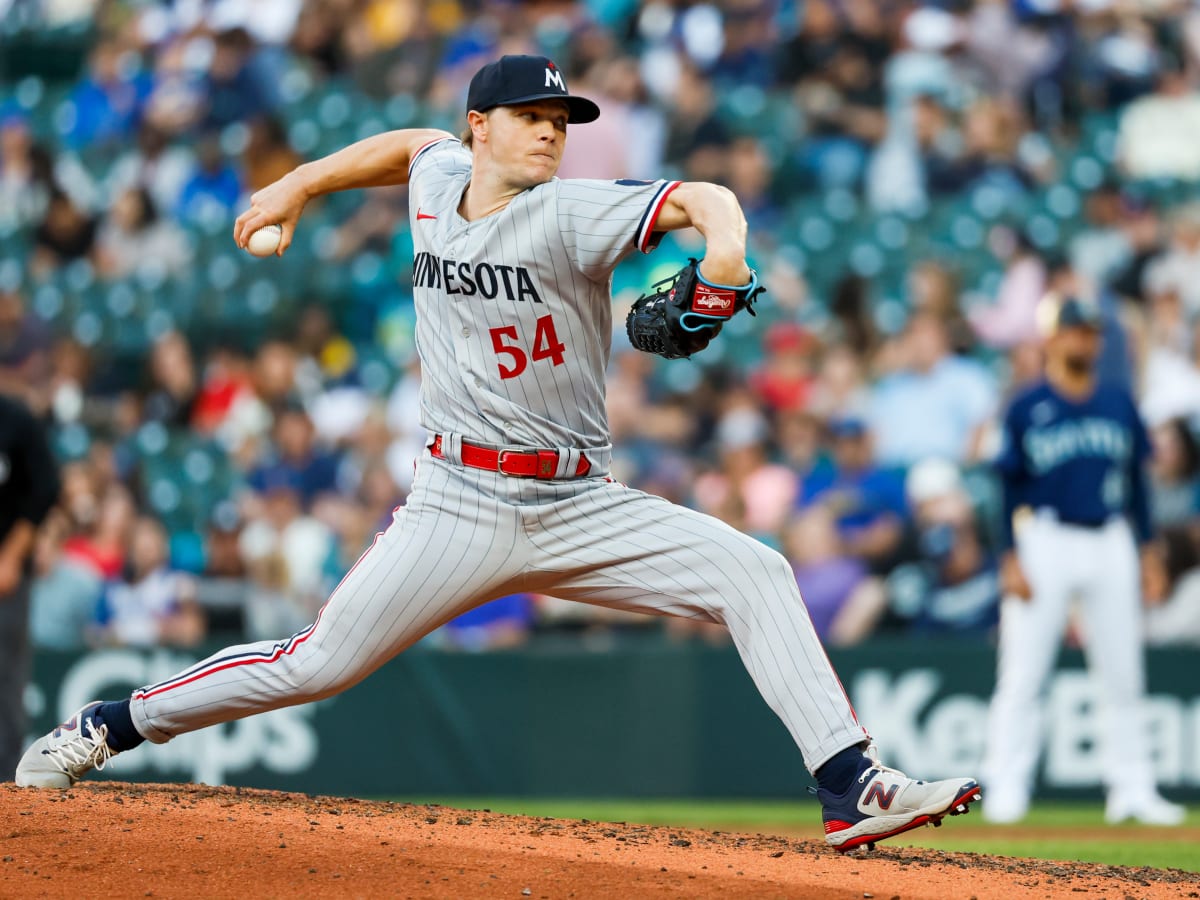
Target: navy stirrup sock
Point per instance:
(121, 733)
(839, 772)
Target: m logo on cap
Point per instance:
(554, 77)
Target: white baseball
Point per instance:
(265, 241)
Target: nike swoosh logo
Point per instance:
(421, 215)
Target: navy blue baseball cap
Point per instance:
(523, 79)
(1057, 313)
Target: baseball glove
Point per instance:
(681, 314)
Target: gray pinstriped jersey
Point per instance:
(514, 319)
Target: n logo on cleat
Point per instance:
(879, 795)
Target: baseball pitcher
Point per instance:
(511, 280)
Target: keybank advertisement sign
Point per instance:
(673, 721)
(282, 742)
(940, 734)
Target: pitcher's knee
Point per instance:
(775, 568)
(316, 676)
(763, 576)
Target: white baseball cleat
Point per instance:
(883, 802)
(66, 754)
(1153, 809)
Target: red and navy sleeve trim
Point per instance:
(421, 150)
(644, 240)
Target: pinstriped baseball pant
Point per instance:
(467, 536)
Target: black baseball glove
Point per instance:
(683, 313)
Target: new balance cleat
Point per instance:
(66, 754)
(884, 802)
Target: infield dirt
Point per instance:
(171, 841)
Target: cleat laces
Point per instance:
(83, 752)
(872, 754)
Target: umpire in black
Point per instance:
(29, 487)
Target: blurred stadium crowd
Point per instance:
(916, 176)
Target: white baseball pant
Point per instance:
(1099, 568)
(467, 536)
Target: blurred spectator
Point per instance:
(225, 383)
(223, 559)
(991, 132)
(374, 225)
(1174, 474)
(155, 165)
(70, 371)
(108, 101)
(133, 237)
(1159, 132)
(955, 584)
(1010, 320)
(101, 544)
(622, 80)
(866, 501)
(234, 92)
(326, 356)
(379, 495)
(268, 156)
(840, 388)
(749, 177)
(66, 233)
(244, 396)
(212, 190)
(1103, 249)
(24, 350)
(26, 174)
(501, 624)
(936, 405)
(317, 37)
(177, 97)
(1170, 379)
(152, 605)
(1176, 620)
(295, 464)
(287, 554)
(744, 57)
(603, 151)
(64, 595)
(171, 399)
(844, 602)
(850, 308)
(1178, 268)
(1171, 602)
(785, 380)
(747, 487)
(696, 137)
(1016, 51)
(933, 287)
(838, 88)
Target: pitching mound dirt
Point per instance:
(124, 840)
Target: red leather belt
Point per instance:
(541, 464)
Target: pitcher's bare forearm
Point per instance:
(381, 160)
(378, 161)
(715, 212)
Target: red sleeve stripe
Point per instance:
(646, 229)
(412, 162)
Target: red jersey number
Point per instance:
(546, 345)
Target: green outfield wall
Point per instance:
(643, 719)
